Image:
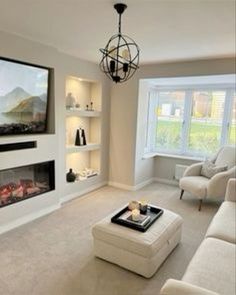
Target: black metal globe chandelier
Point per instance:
(120, 58)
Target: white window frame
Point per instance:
(152, 119)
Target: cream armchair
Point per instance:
(215, 187)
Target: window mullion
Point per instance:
(227, 116)
(155, 121)
(186, 121)
(151, 141)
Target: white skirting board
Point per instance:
(83, 192)
(121, 186)
(166, 181)
(130, 187)
(143, 184)
(30, 217)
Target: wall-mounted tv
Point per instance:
(24, 95)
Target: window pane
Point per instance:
(232, 129)
(206, 121)
(169, 111)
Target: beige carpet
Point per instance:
(54, 254)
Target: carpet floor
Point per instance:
(53, 255)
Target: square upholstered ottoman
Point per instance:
(139, 252)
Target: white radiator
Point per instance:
(179, 171)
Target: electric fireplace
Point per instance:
(21, 183)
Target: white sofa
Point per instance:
(212, 268)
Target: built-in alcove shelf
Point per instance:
(86, 180)
(82, 148)
(79, 113)
(81, 95)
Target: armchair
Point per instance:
(215, 187)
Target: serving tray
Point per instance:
(152, 211)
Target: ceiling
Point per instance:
(165, 30)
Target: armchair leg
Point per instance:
(200, 205)
(181, 194)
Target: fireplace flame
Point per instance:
(13, 192)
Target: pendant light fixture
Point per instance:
(120, 58)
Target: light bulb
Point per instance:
(112, 51)
(126, 54)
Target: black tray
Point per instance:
(152, 211)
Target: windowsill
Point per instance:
(183, 157)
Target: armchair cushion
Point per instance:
(197, 185)
(210, 169)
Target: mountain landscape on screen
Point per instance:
(21, 112)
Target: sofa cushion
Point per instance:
(175, 287)
(223, 225)
(213, 267)
(197, 185)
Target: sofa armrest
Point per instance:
(231, 190)
(218, 183)
(175, 287)
(193, 170)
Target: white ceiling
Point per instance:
(165, 30)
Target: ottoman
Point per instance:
(142, 253)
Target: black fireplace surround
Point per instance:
(21, 183)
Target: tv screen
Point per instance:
(23, 97)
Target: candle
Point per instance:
(143, 206)
(133, 205)
(135, 215)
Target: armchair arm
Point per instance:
(193, 170)
(217, 185)
(175, 287)
(231, 190)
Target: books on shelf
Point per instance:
(127, 216)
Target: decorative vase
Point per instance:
(70, 100)
(84, 137)
(80, 137)
(70, 176)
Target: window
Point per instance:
(232, 124)
(192, 120)
(206, 121)
(170, 110)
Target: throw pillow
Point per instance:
(209, 169)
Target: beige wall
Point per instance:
(127, 121)
(164, 167)
(122, 132)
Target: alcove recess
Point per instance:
(80, 114)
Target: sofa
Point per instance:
(212, 269)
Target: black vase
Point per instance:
(83, 137)
(80, 137)
(70, 176)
